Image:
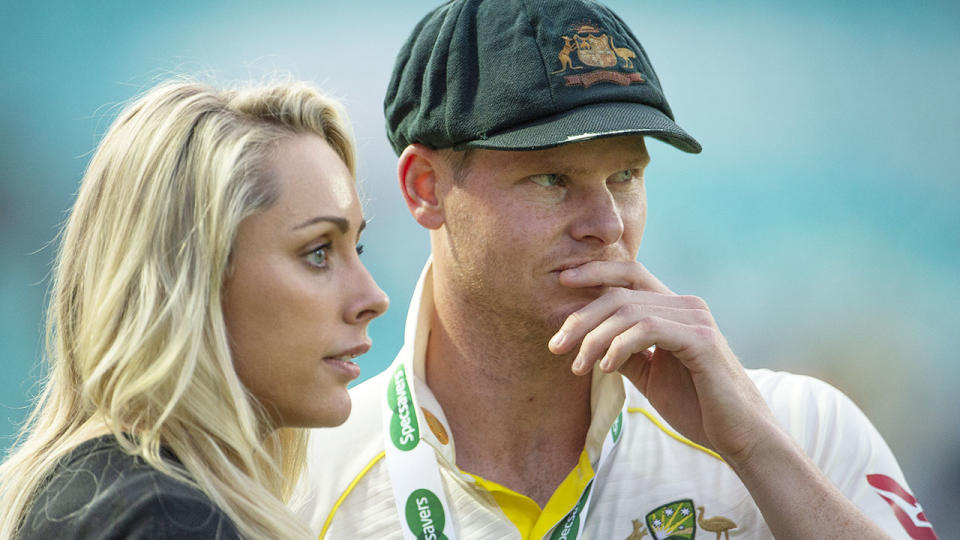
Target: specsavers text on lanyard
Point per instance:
(415, 475)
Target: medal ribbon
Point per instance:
(414, 474)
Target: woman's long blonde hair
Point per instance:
(136, 337)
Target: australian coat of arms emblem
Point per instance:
(591, 47)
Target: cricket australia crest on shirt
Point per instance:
(674, 521)
(678, 520)
(590, 46)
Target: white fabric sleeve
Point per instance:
(840, 439)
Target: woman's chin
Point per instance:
(330, 412)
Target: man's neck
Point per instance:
(519, 416)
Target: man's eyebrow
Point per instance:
(340, 222)
(639, 163)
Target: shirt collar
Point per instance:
(606, 393)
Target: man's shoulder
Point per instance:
(768, 380)
(807, 407)
(826, 423)
(791, 395)
(777, 388)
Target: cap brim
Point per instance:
(588, 122)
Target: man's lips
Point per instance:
(572, 264)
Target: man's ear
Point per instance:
(417, 170)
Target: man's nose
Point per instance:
(599, 218)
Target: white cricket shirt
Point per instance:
(654, 483)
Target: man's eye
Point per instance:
(318, 256)
(546, 180)
(622, 177)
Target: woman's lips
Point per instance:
(343, 361)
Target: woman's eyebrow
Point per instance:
(340, 222)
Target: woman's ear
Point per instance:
(417, 171)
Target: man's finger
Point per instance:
(651, 331)
(626, 274)
(597, 342)
(623, 307)
(637, 340)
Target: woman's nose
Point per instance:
(369, 301)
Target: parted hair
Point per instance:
(135, 335)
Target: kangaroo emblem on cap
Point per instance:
(564, 55)
(595, 48)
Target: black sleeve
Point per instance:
(162, 515)
(144, 505)
(99, 492)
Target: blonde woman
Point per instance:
(207, 303)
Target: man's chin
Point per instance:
(569, 301)
(558, 315)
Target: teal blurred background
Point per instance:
(820, 222)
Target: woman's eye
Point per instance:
(318, 256)
(359, 249)
(546, 180)
(622, 176)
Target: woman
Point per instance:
(207, 303)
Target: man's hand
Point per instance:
(697, 384)
(691, 376)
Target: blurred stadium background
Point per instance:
(820, 222)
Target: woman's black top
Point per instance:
(99, 491)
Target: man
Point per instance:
(549, 385)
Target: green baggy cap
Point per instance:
(524, 75)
